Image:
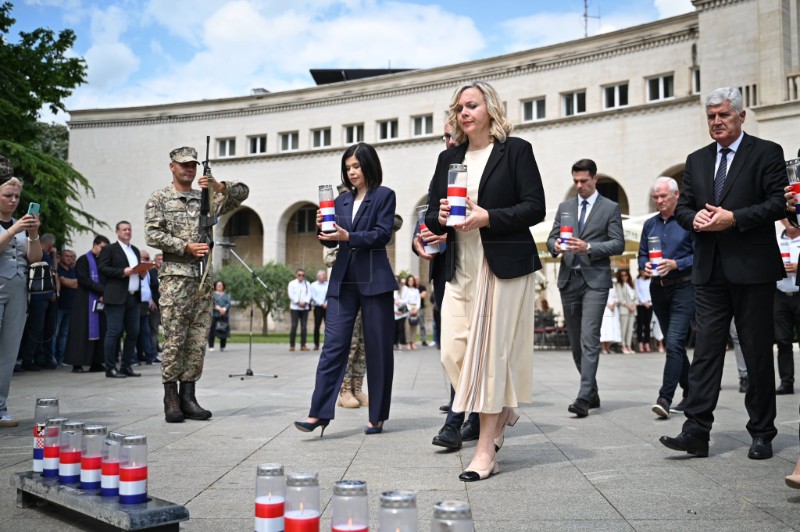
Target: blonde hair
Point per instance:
(499, 126)
(13, 181)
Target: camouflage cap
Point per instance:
(6, 170)
(184, 154)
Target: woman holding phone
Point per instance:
(19, 245)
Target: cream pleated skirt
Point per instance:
(487, 332)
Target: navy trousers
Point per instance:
(378, 315)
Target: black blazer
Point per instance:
(111, 266)
(511, 190)
(753, 191)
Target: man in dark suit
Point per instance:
(122, 297)
(732, 194)
(585, 275)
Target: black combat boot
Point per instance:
(172, 405)
(189, 405)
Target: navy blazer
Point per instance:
(111, 264)
(364, 255)
(753, 191)
(511, 190)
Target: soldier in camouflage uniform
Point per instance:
(172, 217)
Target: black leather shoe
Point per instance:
(784, 389)
(580, 408)
(744, 383)
(444, 408)
(128, 372)
(686, 442)
(114, 374)
(470, 431)
(594, 402)
(760, 450)
(449, 437)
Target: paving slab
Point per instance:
(558, 472)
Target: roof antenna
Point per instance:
(587, 16)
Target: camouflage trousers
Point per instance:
(357, 360)
(185, 321)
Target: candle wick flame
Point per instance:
(350, 522)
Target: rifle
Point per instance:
(207, 221)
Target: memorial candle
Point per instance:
(327, 209)
(432, 248)
(793, 173)
(457, 193)
(452, 516)
(302, 503)
(566, 230)
(52, 446)
(109, 477)
(350, 506)
(133, 470)
(269, 498)
(654, 254)
(92, 456)
(398, 512)
(46, 407)
(69, 457)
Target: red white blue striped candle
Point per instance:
(327, 209)
(52, 446)
(133, 470)
(46, 407)
(92, 456)
(457, 193)
(430, 249)
(785, 251)
(69, 465)
(566, 232)
(654, 253)
(270, 492)
(109, 466)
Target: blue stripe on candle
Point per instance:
(109, 492)
(456, 210)
(90, 485)
(133, 499)
(69, 479)
(51, 473)
(329, 218)
(38, 454)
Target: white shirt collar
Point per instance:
(591, 199)
(734, 147)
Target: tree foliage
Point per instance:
(36, 72)
(273, 300)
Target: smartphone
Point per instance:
(33, 209)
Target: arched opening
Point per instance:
(303, 250)
(608, 188)
(244, 228)
(676, 173)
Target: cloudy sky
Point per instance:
(143, 52)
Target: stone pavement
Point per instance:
(604, 472)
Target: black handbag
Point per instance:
(222, 328)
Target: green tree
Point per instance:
(272, 300)
(36, 72)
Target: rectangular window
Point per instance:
(696, 80)
(354, 133)
(660, 88)
(616, 96)
(258, 144)
(321, 138)
(290, 141)
(533, 110)
(423, 125)
(574, 103)
(226, 147)
(387, 129)
(307, 220)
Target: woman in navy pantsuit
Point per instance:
(361, 279)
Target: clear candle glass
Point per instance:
(567, 227)
(350, 506)
(52, 446)
(327, 208)
(457, 193)
(430, 249)
(69, 457)
(270, 498)
(92, 456)
(793, 173)
(133, 470)
(302, 503)
(451, 516)
(109, 477)
(654, 253)
(46, 407)
(397, 512)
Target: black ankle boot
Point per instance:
(189, 405)
(172, 405)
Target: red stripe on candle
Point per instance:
(267, 511)
(51, 452)
(323, 204)
(132, 474)
(566, 228)
(111, 468)
(457, 191)
(655, 255)
(70, 457)
(91, 462)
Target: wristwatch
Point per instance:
(588, 248)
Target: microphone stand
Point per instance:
(253, 278)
